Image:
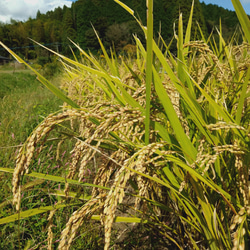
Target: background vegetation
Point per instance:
(24, 103)
(113, 24)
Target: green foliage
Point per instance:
(42, 60)
(78, 21)
(52, 69)
(23, 104)
(32, 54)
(213, 14)
(11, 82)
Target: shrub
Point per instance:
(42, 60)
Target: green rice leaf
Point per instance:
(229, 55)
(69, 194)
(54, 178)
(57, 92)
(182, 138)
(243, 18)
(149, 60)
(130, 11)
(191, 103)
(189, 27)
(122, 219)
(181, 63)
(204, 180)
(242, 97)
(32, 212)
(109, 62)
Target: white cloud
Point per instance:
(23, 9)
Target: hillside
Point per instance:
(112, 23)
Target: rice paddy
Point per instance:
(156, 141)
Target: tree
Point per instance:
(118, 35)
(58, 14)
(38, 33)
(213, 14)
(38, 14)
(68, 25)
(82, 19)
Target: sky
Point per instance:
(227, 4)
(23, 9)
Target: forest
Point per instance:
(114, 26)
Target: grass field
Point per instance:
(24, 103)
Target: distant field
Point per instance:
(13, 81)
(23, 104)
(9, 71)
(11, 68)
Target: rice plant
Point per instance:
(165, 137)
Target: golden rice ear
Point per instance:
(243, 179)
(240, 232)
(27, 151)
(50, 226)
(77, 219)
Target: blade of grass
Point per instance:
(32, 212)
(57, 92)
(243, 18)
(149, 61)
(189, 28)
(242, 97)
(53, 178)
(182, 138)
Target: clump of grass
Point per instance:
(24, 104)
(176, 163)
(23, 107)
